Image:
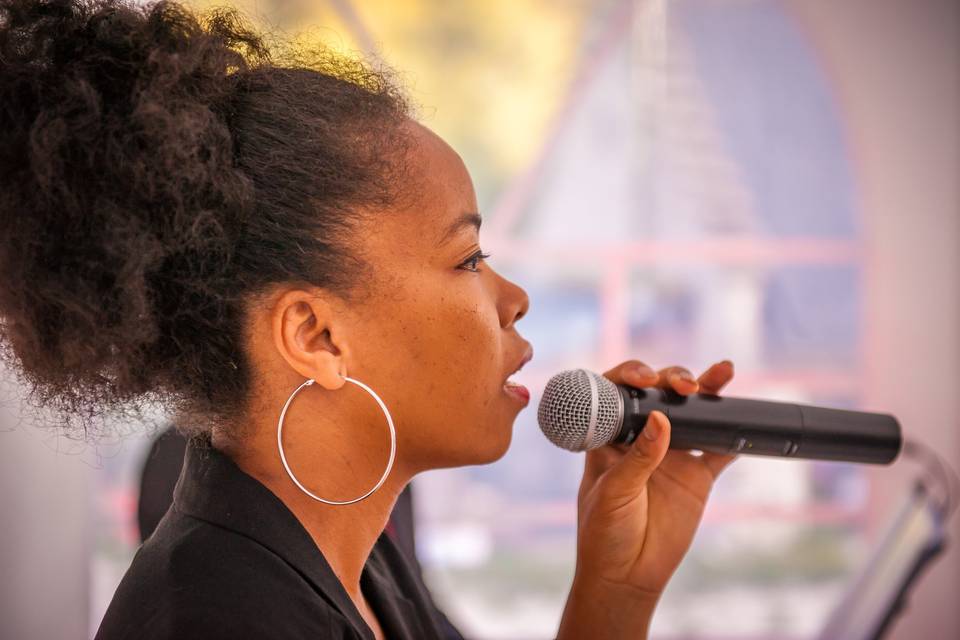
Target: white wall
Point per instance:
(44, 537)
(896, 67)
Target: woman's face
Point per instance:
(436, 338)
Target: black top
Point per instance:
(230, 560)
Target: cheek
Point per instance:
(445, 367)
(458, 355)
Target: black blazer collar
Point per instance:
(213, 488)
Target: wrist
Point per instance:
(600, 608)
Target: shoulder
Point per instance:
(194, 579)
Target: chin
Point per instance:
(497, 448)
(480, 452)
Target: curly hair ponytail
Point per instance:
(157, 171)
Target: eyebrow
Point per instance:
(464, 220)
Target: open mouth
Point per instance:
(514, 388)
(517, 390)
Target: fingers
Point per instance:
(638, 374)
(679, 379)
(714, 378)
(711, 381)
(633, 373)
(643, 456)
(598, 461)
(682, 381)
(628, 478)
(716, 462)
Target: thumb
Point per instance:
(629, 476)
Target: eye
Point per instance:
(473, 260)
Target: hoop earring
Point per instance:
(393, 443)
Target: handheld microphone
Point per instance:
(582, 410)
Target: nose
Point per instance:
(514, 303)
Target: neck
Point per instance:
(345, 534)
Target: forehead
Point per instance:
(439, 190)
(440, 177)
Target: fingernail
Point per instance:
(727, 362)
(651, 430)
(644, 371)
(684, 375)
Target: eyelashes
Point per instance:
(474, 259)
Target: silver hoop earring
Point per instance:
(393, 443)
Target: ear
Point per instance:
(307, 332)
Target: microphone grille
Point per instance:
(580, 410)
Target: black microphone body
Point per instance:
(725, 424)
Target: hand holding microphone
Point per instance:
(640, 503)
(638, 508)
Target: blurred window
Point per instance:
(669, 182)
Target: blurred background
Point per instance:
(773, 182)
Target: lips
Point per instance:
(518, 391)
(527, 357)
(515, 389)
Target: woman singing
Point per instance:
(266, 241)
